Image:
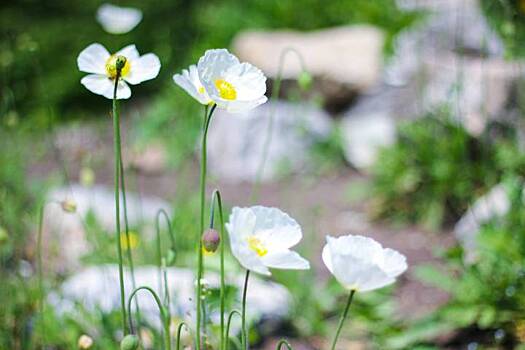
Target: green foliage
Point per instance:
(436, 169)
(507, 17)
(487, 292)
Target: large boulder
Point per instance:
(343, 60)
(236, 142)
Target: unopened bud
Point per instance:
(305, 80)
(69, 206)
(120, 62)
(130, 342)
(85, 342)
(210, 240)
(170, 257)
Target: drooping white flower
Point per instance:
(362, 264)
(261, 238)
(118, 20)
(232, 85)
(189, 80)
(95, 59)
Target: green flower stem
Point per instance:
(200, 267)
(275, 95)
(126, 227)
(116, 140)
(40, 271)
(162, 212)
(179, 330)
(243, 317)
(216, 196)
(228, 324)
(163, 313)
(281, 343)
(343, 317)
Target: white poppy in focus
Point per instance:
(118, 20)
(261, 238)
(189, 80)
(95, 59)
(361, 264)
(232, 85)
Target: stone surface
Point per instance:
(342, 60)
(365, 130)
(67, 229)
(236, 141)
(97, 288)
(495, 203)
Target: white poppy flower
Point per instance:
(118, 20)
(261, 237)
(232, 85)
(189, 80)
(360, 263)
(95, 59)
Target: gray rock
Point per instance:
(97, 288)
(67, 229)
(344, 60)
(495, 203)
(236, 141)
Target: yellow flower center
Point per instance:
(257, 246)
(226, 90)
(111, 67)
(201, 90)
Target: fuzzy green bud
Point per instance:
(211, 240)
(130, 342)
(305, 80)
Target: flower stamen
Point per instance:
(257, 246)
(226, 90)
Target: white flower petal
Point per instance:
(248, 259)
(361, 263)
(240, 106)
(249, 81)
(102, 85)
(285, 259)
(118, 20)
(276, 227)
(189, 80)
(144, 68)
(130, 52)
(213, 65)
(93, 59)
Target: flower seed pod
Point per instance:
(85, 342)
(210, 240)
(130, 342)
(69, 206)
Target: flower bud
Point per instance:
(210, 240)
(130, 342)
(305, 80)
(69, 206)
(85, 342)
(170, 257)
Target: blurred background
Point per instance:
(396, 119)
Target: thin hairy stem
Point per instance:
(40, 273)
(162, 212)
(228, 324)
(200, 267)
(243, 318)
(179, 330)
(285, 343)
(216, 197)
(163, 314)
(116, 140)
(343, 317)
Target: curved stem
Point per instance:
(216, 196)
(200, 267)
(343, 317)
(116, 140)
(281, 343)
(163, 315)
(275, 96)
(228, 324)
(179, 330)
(243, 317)
(40, 271)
